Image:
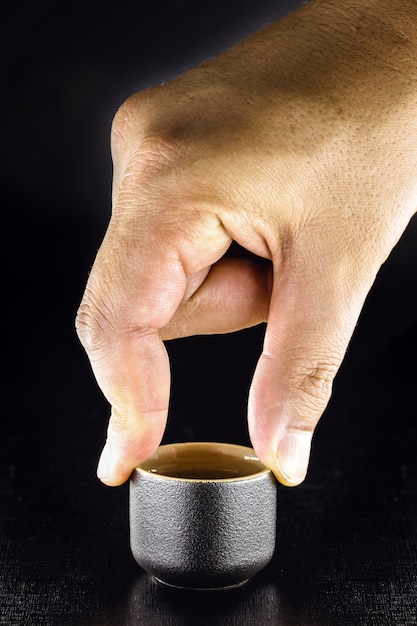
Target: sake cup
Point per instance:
(203, 515)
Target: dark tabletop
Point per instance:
(346, 550)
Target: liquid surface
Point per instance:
(200, 473)
(204, 461)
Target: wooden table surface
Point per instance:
(346, 550)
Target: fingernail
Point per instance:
(292, 456)
(103, 468)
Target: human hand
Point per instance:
(299, 144)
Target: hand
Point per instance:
(299, 144)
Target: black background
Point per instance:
(347, 541)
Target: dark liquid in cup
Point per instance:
(203, 473)
(201, 461)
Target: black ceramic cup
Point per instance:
(203, 515)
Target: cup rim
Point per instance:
(250, 452)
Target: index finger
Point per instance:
(130, 294)
(137, 283)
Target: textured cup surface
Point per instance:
(203, 515)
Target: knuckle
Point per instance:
(131, 113)
(150, 174)
(313, 386)
(152, 145)
(92, 325)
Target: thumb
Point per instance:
(310, 322)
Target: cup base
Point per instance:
(228, 587)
